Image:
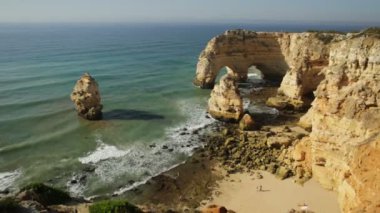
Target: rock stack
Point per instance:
(86, 98)
(225, 102)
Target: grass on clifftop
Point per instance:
(371, 31)
(46, 195)
(325, 31)
(114, 206)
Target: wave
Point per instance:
(7, 179)
(103, 152)
(142, 161)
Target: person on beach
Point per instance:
(304, 207)
(259, 188)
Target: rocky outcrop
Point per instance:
(343, 73)
(344, 145)
(225, 102)
(214, 209)
(247, 123)
(297, 58)
(86, 98)
(238, 50)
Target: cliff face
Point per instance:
(297, 58)
(306, 54)
(345, 122)
(238, 50)
(342, 151)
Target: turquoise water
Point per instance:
(144, 73)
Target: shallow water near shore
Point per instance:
(145, 75)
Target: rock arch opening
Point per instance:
(255, 73)
(223, 71)
(294, 59)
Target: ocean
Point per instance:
(145, 74)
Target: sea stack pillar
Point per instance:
(86, 98)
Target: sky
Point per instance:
(197, 11)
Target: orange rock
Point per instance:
(247, 123)
(214, 209)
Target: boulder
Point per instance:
(277, 102)
(279, 141)
(247, 123)
(283, 172)
(225, 103)
(214, 209)
(86, 98)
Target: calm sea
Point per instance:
(144, 72)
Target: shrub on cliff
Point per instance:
(43, 194)
(325, 31)
(9, 205)
(372, 31)
(114, 206)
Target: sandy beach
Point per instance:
(239, 193)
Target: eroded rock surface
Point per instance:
(297, 58)
(247, 123)
(86, 98)
(342, 151)
(225, 102)
(344, 145)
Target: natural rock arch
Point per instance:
(344, 144)
(239, 50)
(296, 58)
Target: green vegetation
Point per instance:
(9, 205)
(371, 31)
(114, 206)
(326, 36)
(46, 195)
(325, 31)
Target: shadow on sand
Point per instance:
(130, 114)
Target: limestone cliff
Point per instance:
(343, 72)
(345, 123)
(225, 102)
(297, 58)
(86, 98)
(238, 50)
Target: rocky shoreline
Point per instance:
(226, 150)
(336, 141)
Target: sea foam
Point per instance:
(103, 152)
(8, 178)
(143, 160)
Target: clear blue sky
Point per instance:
(189, 10)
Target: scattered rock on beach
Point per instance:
(247, 123)
(277, 142)
(214, 209)
(283, 172)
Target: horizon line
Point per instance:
(290, 22)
